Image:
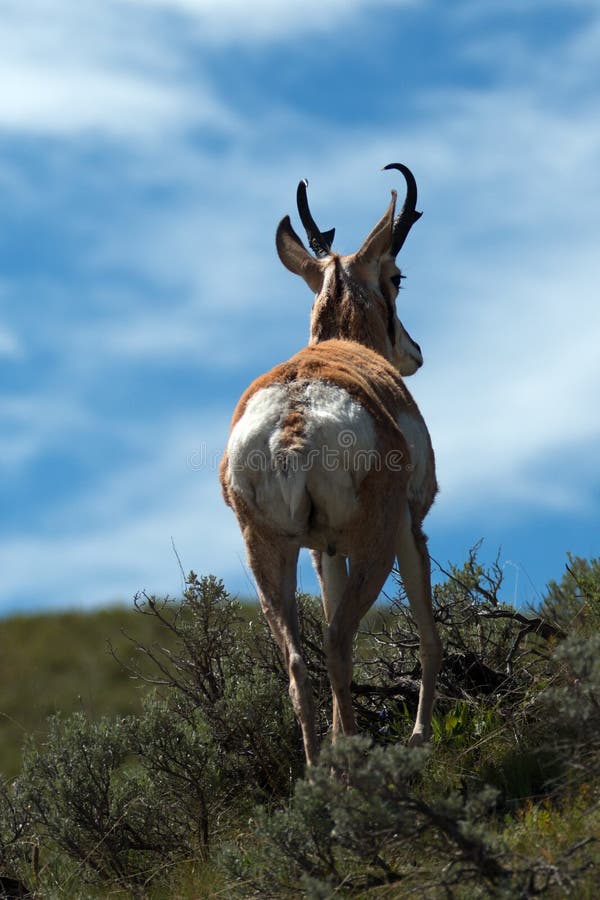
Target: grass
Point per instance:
(61, 663)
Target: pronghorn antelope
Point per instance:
(329, 451)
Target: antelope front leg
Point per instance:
(415, 570)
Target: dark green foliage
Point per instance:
(226, 673)
(15, 831)
(118, 796)
(145, 802)
(351, 824)
(574, 601)
(126, 799)
(493, 655)
(78, 793)
(571, 702)
(59, 662)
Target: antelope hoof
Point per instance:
(417, 739)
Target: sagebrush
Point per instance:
(204, 790)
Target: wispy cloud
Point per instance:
(114, 538)
(10, 344)
(38, 422)
(523, 376)
(234, 21)
(69, 69)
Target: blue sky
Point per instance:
(148, 149)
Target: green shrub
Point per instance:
(144, 803)
(358, 820)
(122, 799)
(225, 671)
(574, 601)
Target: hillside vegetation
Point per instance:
(178, 771)
(61, 663)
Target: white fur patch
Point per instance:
(417, 438)
(406, 354)
(319, 477)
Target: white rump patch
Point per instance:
(317, 478)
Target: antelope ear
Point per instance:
(295, 257)
(379, 241)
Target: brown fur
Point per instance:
(344, 308)
(292, 431)
(365, 375)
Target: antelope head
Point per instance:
(356, 294)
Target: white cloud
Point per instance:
(65, 99)
(10, 344)
(120, 69)
(115, 538)
(515, 424)
(38, 421)
(68, 69)
(237, 21)
(112, 564)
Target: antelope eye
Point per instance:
(395, 279)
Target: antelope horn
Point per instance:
(408, 215)
(319, 242)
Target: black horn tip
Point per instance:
(408, 175)
(408, 214)
(399, 166)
